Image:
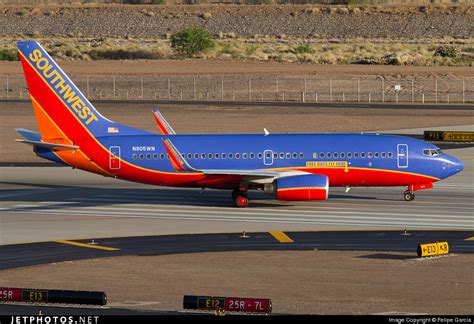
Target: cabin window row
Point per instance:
(210, 156)
(350, 155)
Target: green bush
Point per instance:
(191, 40)
(9, 54)
(447, 51)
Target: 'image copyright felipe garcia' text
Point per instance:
(430, 319)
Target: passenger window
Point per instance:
(390, 154)
(356, 155)
(288, 155)
(342, 155)
(376, 154)
(336, 155)
(196, 156)
(362, 155)
(244, 155)
(167, 156)
(295, 155)
(203, 156)
(155, 156)
(190, 155)
(301, 155)
(142, 156)
(275, 155)
(260, 155)
(162, 156)
(252, 155)
(383, 155)
(216, 156)
(134, 156)
(231, 155)
(223, 155)
(282, 155)
(328, 155)
(349, 155)
(148, 156)
(267, 155)
(369, 155)
(237, 155)
(209, 155)
(315, 155)
(321, 155)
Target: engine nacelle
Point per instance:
(302, 187)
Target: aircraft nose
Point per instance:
(453, 165)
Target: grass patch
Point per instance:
(9, 54)
(309, 50)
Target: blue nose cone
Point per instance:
(453, 165)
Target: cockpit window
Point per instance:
(432, 152)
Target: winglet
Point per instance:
(176, 158)
(163, 125)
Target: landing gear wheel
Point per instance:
(408, 196)
(241, 201)
(240, 198)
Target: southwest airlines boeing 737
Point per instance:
(290, 167)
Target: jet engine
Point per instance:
(299, 187)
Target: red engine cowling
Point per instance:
(302, 187)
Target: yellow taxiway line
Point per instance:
(90, 246)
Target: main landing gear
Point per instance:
(240, 198)
(408, 195)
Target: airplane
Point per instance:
(290, 167)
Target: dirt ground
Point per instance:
(215, 119)
(219, 67)
(305, 282)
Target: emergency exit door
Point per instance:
(114, 161)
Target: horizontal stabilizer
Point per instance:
(51, 146)
(29, 135)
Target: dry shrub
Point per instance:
(355, 10)
(342, 10)
(206, 15)
(312, 10)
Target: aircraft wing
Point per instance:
(256, 176)
(180, 164)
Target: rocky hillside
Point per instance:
(241, 21)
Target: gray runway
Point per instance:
(53, 203)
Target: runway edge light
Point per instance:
(432, 249)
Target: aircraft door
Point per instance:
(268, 157)
(114, 158)
(402, 155)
